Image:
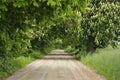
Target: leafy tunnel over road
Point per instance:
(57, 65)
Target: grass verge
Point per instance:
(106, 62)
(10, 65)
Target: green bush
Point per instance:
(10, 65)
(69, 49)
(47, 50)
(36, 54)
(21, 61)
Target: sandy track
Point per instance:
(58, 65)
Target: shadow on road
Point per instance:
(55, 56)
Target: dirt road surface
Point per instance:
(57, 65)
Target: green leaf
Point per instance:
(3, 7)
(51, 3)
(35, 4)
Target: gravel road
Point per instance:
(57, 65)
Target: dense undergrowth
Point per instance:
(77, 53)
(9, 65)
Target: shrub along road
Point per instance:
(57, 65)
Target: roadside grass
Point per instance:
(10, 65)
(35, 54)
(106, 62)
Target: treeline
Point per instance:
(99, 27)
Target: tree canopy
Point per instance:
(22, 21)
(27, 24)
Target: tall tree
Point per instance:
(100, 25)
(23, 20)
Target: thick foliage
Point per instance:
(26, 20)
(100, 25)
(98, 28)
